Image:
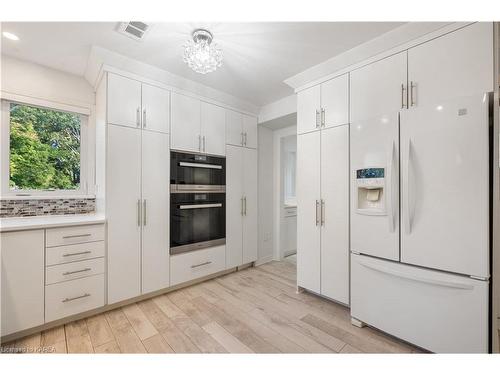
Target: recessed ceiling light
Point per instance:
(10, 35)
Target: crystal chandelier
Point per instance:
(201, 54)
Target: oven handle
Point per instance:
(198, 165)
(193, 206)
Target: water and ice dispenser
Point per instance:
(371, 191)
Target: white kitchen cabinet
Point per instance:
(213, 129)
(335, 213)
(123, 209)
(308, 109)
(323, 212)
(155, 108)
(22, 297)
(234, 128)
(454, 65)
(124, 101)
(186, 123)
(335, 101)
(234, 206)
(155, 211)
(308, 208)
(379, 88)
(250, 205)
(241, 206)
(249, 127)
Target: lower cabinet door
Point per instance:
(250, 205)
(73, 297)
(22, 280)
(123, 212)
(155, 211)
(196, 264)
(440, 312)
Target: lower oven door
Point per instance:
(197, 221)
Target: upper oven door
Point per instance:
(197, 172)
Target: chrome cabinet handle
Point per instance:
(322, 212)
(138, 117)
(144, 117)
(246, 138)
(138, 212)
(73, 298)
(322, 117)
(74, 254)
(79, 271)
(77, 235)
(144, 212)
(203, 143)
(317, 209)
(245, 201)
(242, 142)
(201, 264)
(317, 119)
(241, 211)
(403, 91)
(412, 99)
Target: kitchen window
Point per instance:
(43, 151)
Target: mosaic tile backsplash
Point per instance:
(40, 207)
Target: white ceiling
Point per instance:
(257, 56)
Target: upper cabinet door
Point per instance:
(124, 101)
(155, 108)
(213, 129)
(249, 131)
(377, 89)
(308, 109)
(234, 128)
(454, 65)
(335, 101)
(185, 129)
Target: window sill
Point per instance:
(46, 197)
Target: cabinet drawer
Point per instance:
(196, 264)
(72, 235)
(73, 297)
(74, 270)
(71, 253)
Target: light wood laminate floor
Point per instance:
(256, 310)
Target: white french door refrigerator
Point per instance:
(420, 224)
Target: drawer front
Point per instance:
(73, 297)
(196, 264)
(72, 253)
(75, 270)
(73, 235)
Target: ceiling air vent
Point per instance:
(133, 29)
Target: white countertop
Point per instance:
(10, 224)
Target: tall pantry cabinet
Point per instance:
(133, 185)
(241, 189)
(323, 189)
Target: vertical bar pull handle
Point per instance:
(317, 118)
(144, 212)
(317, 209)
(322, 117)
(245, 201)
(241, 202)
(138, 117)
(412, 94)
(144, 117)
(246, 138)
(408, 190)
(138, 212)
(242, 141)
(322, 212)
(403, 95)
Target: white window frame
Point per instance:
(8, 193)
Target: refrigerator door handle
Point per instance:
(407, 213)
(392, 189)
(420, 279)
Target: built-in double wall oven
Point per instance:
(197, 201)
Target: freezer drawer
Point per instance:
(437, 311)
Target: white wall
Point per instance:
(265, 194)
(279, 108)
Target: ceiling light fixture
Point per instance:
(200, 54)
(10, 35)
